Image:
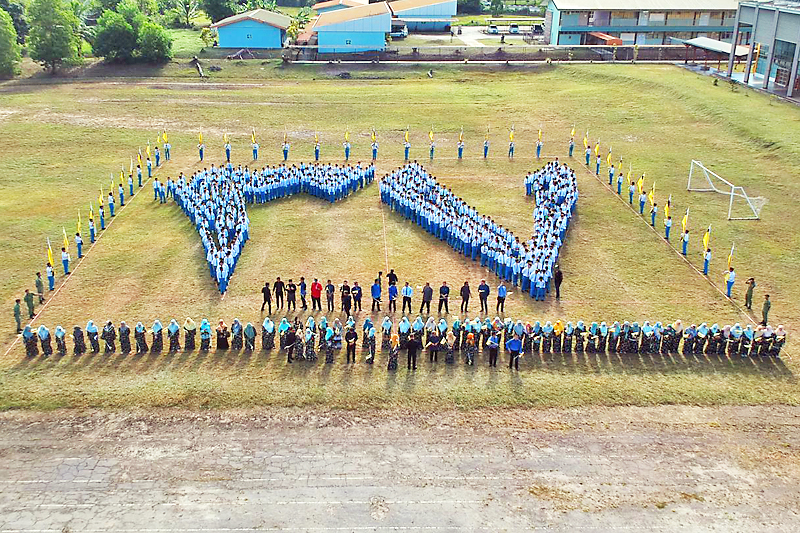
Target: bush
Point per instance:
(9, 48)
(155, 45)
(115, 39)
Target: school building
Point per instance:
(355, 29)
(771, 30)
(335, 5)
(586, 22)
(258, 28)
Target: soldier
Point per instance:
(748, 297)
(39, 287)
(17, 316)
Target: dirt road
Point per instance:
(615, 469)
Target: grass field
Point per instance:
(61, 141)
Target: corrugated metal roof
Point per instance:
(404, 5)
(351, 13)
(646, 5)
(332, 3)
(714, 45)
(258, 15)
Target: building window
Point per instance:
(348, 41)
(249, 35)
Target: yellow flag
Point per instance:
(200, 138)
(461, 135)
(91, 211)
(316, 138)
(147, 150)
(121, 178)
(374, 135)
(130, 171)
(79, 221)
(164, 136)
(158, 138)
(667, 206)
(253, 136)
(225, 138)
(597, 149)
(630, 169)
(511, 134)
(66, 241)
(608, 159)
(652, 195)
(346, 136)
(285, 137)
(730, 256)
(586, 140)
(430, 135)
(706, 238)
(685, 220)
(572, 132)
(640, 184)
(540, 134)
(486, 135)
(49, 253)
(405, 137)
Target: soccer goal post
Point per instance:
(702, 179)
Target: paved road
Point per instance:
(617, 469)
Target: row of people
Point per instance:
(304, 339)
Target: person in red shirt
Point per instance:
(316, 294)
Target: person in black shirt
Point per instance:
(267, 297)
(433, 346)
(465, 292)
(344, 293)
(350, 338)
(302, 287)
(558, 277)
(392, 277)
(291, 290)
(290, 339)
(444, 294)
(277, 289)
(427, 296)
(413, 346)
(329, 290)
(356, 292)
(483, 294)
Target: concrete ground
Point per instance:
(599, 469)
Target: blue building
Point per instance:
(258, 28)
(425, 15)
(335, 5)
(581, 22)
(355, 29)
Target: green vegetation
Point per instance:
(61, 141)
(9, 48)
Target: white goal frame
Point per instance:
(729, 189)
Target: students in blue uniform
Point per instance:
(706, 261)
(167, 148)
(65, 260)
(667, 226)
(157, 154)
(149, 165)
(79, 244)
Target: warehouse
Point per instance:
(654, 22)
(355, 29)
(258, 28)
(425, 15)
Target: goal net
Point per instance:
(740, 207)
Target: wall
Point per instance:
(250, 34)
(343, 42)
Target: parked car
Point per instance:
(513, 28)
(492, 30)
(399, 31)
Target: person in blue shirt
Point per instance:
(375, 291)
(444, 295)
(316, 151)
(303, 291)
(514, 346)
(502, 291)
(685, 242)
(255, 151)
(393, 297)
(167, 147)
(356, 293)
(79, 244)
(642, 200)
(611, 171)
(346, 146)
(228, 152)
(139, 175)
(158, 157)
(65, 260)
(374, 150)
(667, 226)
(407, 292)
(286, 147)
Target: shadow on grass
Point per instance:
(274, 362)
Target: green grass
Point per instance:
(186, 42)
(61, 141)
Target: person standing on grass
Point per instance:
(631, 190)
(350, 339)
(316, 295)
(642, 200)
(356, 293)
(375, 292)
(393, 297)
(483, 295)
(653, 214)
(514, 346)
(277, 291)
(571, 146)
(291, 291)
(706, 262)
(465, 294)
(267, 298)
(407, 292)
(167, 147)
(286, 147)
(730, 279)
(303, 292)
(65, 260)
(139, 174)
(329, 291)
(748, 296)
(667, 226)
(427, 296)
(130, 185)
(28, 299)
(765, 310)
(227, 152)
(444, 295)
(18, 316)
(685, 243)
(413, 346)
(39, 287)
(51, 276)
(502, 291)
(255, 151)
(110, 202)
(79, 244)
(486, 148)
(558, 277)
(201, 148)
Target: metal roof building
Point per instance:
(355, 29)
(335, 5)
(258, 28)
(574, 22)
(425, 15)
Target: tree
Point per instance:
(187, 9)
(469, 7)
(9, 47)
(217, 9)
(115, 39)
(155, 44)
(207, 36)
(52, 39)
(17, 12)
(132, 12)
(497, 8)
